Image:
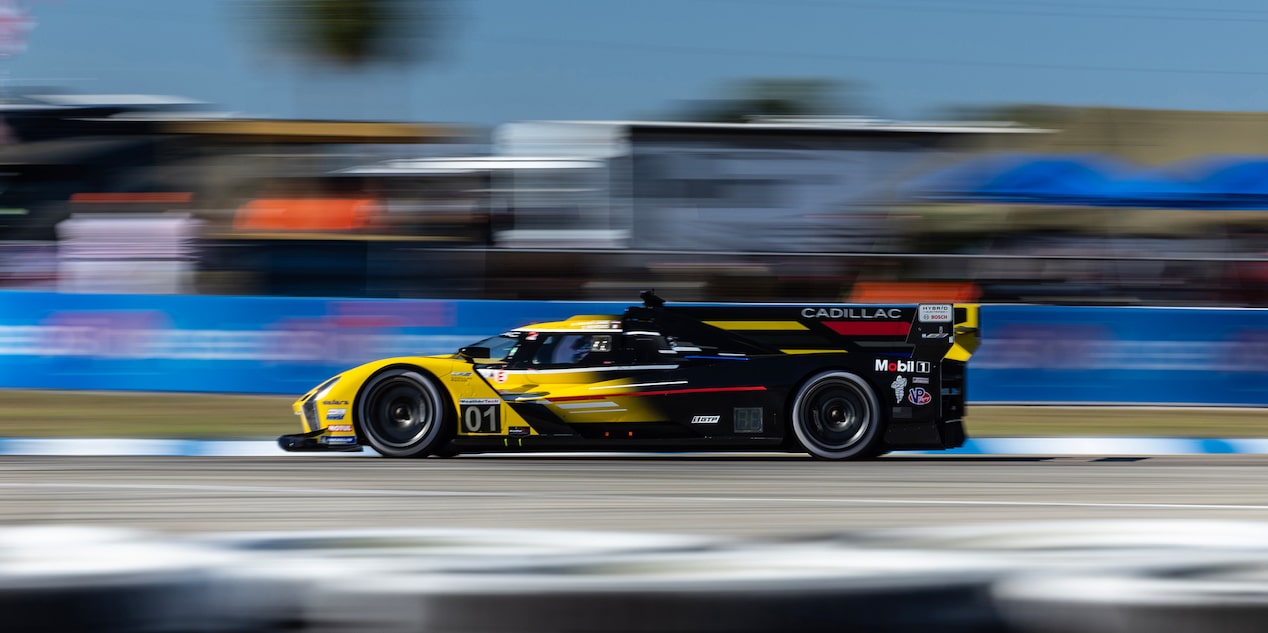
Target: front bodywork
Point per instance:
(704, 377)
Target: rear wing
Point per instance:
(923, 331)
(943, 330)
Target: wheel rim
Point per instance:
(836, 415)
(399, 413)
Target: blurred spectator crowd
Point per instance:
(125, 193)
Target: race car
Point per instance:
(836, 381)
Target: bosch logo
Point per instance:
(905, 366)
(940, 313)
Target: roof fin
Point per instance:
(650, 299)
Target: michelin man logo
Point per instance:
(899, 385)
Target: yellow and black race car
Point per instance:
(836, 381)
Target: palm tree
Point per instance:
(352, 35)
(355, 32)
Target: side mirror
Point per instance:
(473, 352)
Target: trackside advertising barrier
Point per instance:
(267, 345)
(1110, 355)
(285, 345)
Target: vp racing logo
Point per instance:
(919, 396)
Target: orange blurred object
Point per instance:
(914, 292)
(305, 214)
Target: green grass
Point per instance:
(1011, 421)
(163, 415)
(159, 415)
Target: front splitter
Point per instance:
(311, 443)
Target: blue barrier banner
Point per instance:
(285, 345)
(266, 345)
(1116, 355)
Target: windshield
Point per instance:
(500, 346)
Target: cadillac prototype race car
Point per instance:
(835, 381)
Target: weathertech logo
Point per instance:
(905, 366)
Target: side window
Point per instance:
(545, 354)
(651, 349)
(501, 347)
(574, 349)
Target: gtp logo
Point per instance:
(919, 396)
(912, 366)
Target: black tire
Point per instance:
(446, 451)
(402, 412)
(836, 415)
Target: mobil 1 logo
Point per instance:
(480, 415)
(893, 366)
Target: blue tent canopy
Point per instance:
(1022, 178)
(1225, 182)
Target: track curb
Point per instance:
(1127, 446)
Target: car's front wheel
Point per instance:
(401, 412)
(836, 415)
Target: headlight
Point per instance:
(325, 387)
(309, 405)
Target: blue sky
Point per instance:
(507, 60)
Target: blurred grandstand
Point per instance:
(793, 208)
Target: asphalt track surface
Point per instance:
(783, 495)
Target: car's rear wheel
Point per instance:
(836, 415)
(401, 412)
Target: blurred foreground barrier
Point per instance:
(717, 591)
(90, 580)
(1230, 598)
(284, 345)
(1128, 576)
(287, 576)
(1042, 577)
